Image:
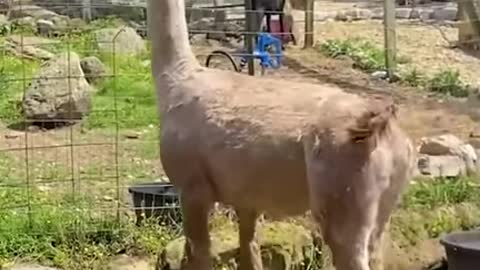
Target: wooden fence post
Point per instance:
(390, 37)
(469, 25)
(309, 20)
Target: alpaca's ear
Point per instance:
(373, 120)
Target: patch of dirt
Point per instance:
(426, 253)
(425, 46)
(124, 262)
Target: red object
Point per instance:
(286, 36)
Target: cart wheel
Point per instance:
(221, 60)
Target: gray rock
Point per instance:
(445, 14)
(377, 14)
(26, 22)
(450, 145)
(36, 12)
(441, 166)
(45, 27)
(446, 144)
(93, 69)
(202, 26)
(379, 75)
(126, 40)
(59, 92)
(361, 14)
(425, 15)
(403, 13)
(13, 45)
(415, 14)
(353, 15)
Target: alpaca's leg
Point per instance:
(385, 208)
(376, 247)
(347, 219)
(348, 235)
(250, 257)
(195, 212)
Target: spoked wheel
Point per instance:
(221, 60)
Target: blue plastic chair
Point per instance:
(264, 40)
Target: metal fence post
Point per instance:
(87, 10)
(249, 37)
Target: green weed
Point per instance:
(366, 56)
(413, 78)
(448, 82)
(441, 192)
(431, 208)
(46, 222)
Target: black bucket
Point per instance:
(463, 250)
(158, 200)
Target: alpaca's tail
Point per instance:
(373, 122)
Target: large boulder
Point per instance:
(125, 39)
(26, 46)
(441, 166)
(284, 246)
(60, 91)
(36, 12)
(446, 155)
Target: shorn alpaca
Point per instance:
(264, 145)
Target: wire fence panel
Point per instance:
(79, 127)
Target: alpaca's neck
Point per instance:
(169, 35)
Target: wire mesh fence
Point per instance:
(78, 118)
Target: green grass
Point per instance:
(412, 78)
(444, 82)
(431, 208)
(366, 56)
(74, 235)
(13, 84)
(448, 82)
(127, 99)
(51, 226)
(441, 192)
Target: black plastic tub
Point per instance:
(156, 200)
(463, 250)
